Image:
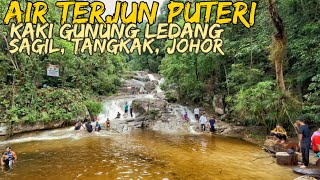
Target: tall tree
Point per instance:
(279, 43)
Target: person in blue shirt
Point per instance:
(8, 158)
(98, 126)
(212, 121)
(304, 140)
(126, 108)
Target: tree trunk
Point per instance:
(278, 45)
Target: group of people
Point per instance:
(202, 120)
(87, 124)
(8, 158)
(126, 110)
(305, 140)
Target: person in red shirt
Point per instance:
(315, 141)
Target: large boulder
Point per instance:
(218, 104)
(27, 127)
(274, 145)
(147, 105)
(141, 76)
(150, 86)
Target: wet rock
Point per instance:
(150, 86)
(283, 158)
(305, 178)
(171, 96)
(141, 76)
(274, 145)
(138, 119)
(156, 82)
(24, 127)
(228, 129)
(148, 106)
(160, 95)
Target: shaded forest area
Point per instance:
(269, 74)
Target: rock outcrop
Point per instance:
(150, 86)
(27, 127)
(218, 104)
(146, 106)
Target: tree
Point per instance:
(278, 46)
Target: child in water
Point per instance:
(98, 126)
(108, 123)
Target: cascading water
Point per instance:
(179, 112)
(110, 109)
(152, 78)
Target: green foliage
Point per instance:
(93, 107)
(245, 74)
(266, 105)
(80, 75)
(30, 105)
(242, 76)
(312, 109)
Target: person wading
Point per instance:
(108, 124)
(89, 127)
(203, 121)
(212, 121)
(126, 108)
(196, 112)
(131, 112)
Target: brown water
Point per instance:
(143, 155)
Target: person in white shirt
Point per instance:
(203, 121)
(196, 113)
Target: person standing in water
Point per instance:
(78, 126)
(4, 162)
(185, 116)
(196, 112)
(212, 121)
(10, 158)
(108, 124)
(89, 127)
(203, 121)
(131, 112)
(98, 126)
(304, 140)
(126, 108)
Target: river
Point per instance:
(161, 152)
(141, 154)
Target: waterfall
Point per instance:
(152, 78)
(110, 109)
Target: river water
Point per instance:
(141, 154)
(162, 153)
